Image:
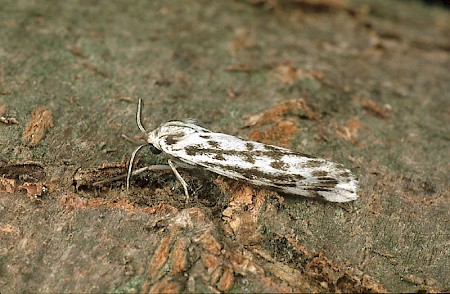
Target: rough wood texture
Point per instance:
(363, 83)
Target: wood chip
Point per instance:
(41, 119)
(8, 120)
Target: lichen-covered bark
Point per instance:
(363, 83)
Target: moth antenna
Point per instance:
(130, 165)
(138, 117)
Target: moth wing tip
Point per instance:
(343, 192)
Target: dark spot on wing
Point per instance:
(286, 177)
(173, 139)
(319, 173)
(345, 174)
(219, 156)
(328, 180)
(325, 182)
(250, 146)
(194, 150)
(205, 137)
(248, 157)
(214, 144)
(275, 155)
(279, 164)
(314, 163)
(253, 173)
(272, 148)
(288, 184)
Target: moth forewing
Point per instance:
(254, 162)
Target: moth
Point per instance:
(269, 166)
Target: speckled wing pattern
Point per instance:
(257, 163)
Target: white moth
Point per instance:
(284, 170)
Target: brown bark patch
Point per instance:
(41, 120)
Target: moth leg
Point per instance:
(183, 182)
(151, 167)
(135, 172)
